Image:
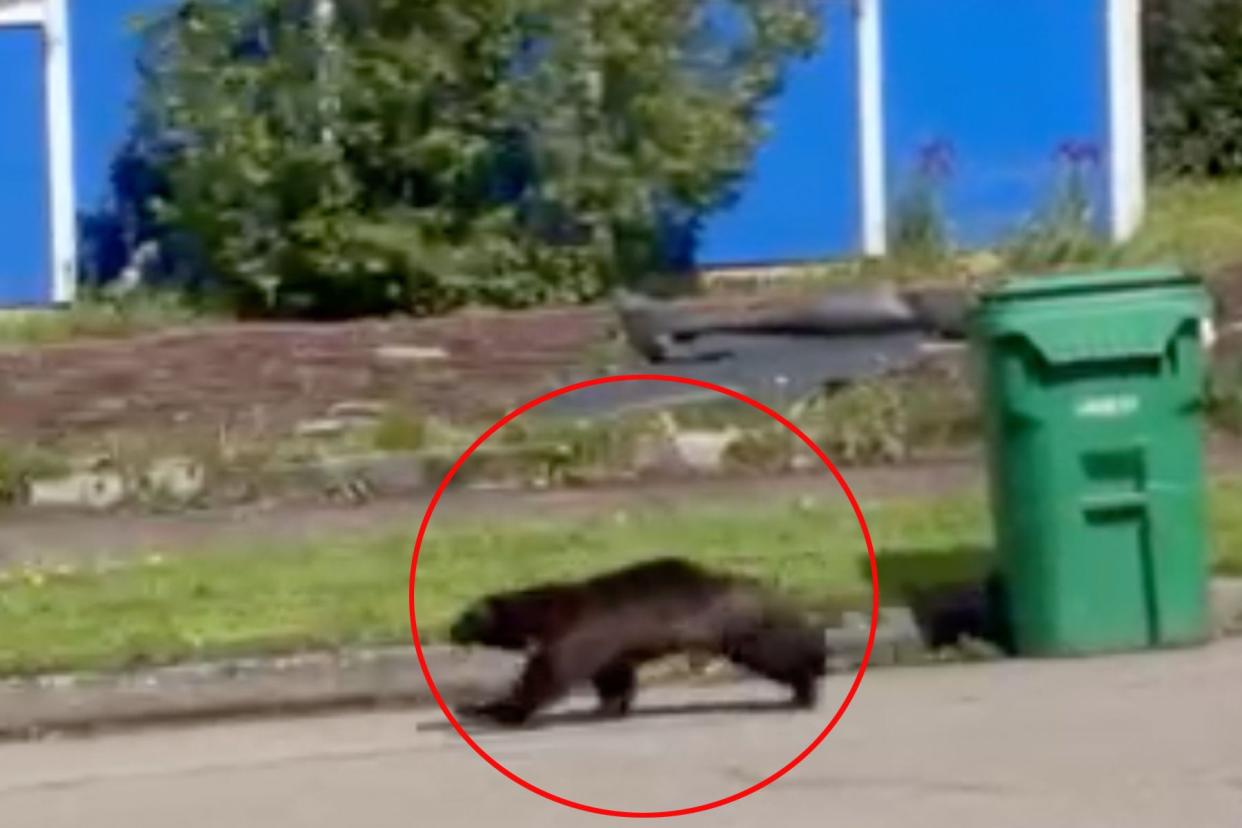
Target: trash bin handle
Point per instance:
(1113, 503)
(1132, 500)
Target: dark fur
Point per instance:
(602, 629)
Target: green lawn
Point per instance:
(352, 591)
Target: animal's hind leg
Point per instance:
(616, 685)
(791, 656)
(539, 685)
(805, 687)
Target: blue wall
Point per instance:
(1004, 86)
(24, 245)
(104, 50)
(801, 199)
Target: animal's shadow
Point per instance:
(953, 593)
(581, 717)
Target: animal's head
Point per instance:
(505, 622)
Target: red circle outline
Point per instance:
(849, 698)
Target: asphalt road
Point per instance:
(1137, 741)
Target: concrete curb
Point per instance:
(316, 682)
(391, 677)
(247, 687)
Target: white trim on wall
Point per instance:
(1125, 96)
(874, 208)
(59, 81)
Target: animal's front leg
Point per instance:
(538, 686)
(616, 685)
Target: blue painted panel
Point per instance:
(105, 48)
(1007, 85)
(24, 246)
(801, 199)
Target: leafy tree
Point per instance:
(1194, 86)
(421, 154)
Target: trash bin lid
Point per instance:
(1089, 316)
(1070, 285)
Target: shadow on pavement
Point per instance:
(954, 593)
(577, 718)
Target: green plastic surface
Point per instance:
(1093, 388)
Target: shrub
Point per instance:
(422, 154)
(1194, 86)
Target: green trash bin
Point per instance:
(1093, 390)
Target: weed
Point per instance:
(1225, 395)
(1063, 233)
(400, 430)
(19, 465)
(717, 416)
(863, 423)
(765, 450)
(920, 236)
(98, 316)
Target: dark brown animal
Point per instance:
(602, 629)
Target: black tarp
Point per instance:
(774, 357)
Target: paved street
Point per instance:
(1136, 741)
